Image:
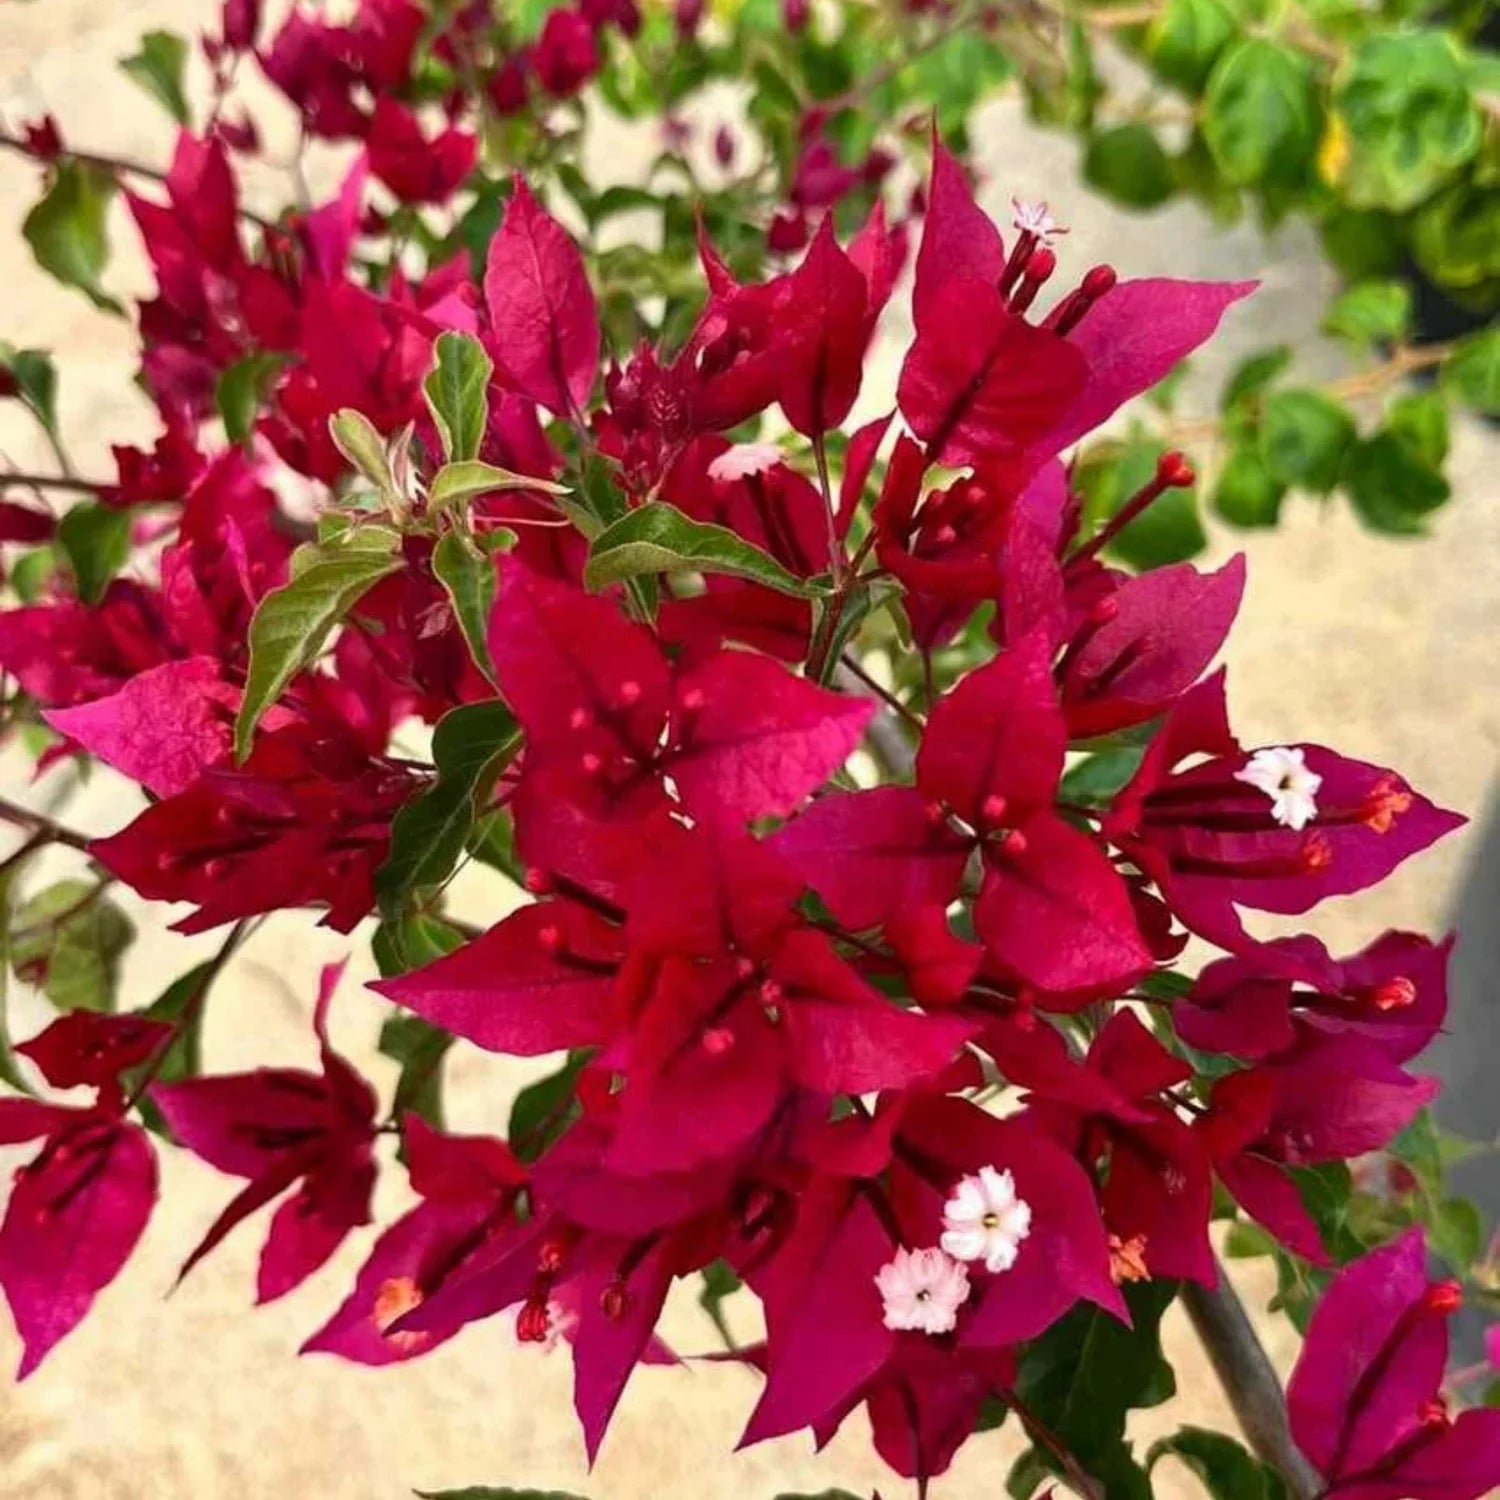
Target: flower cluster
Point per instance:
(866, 972)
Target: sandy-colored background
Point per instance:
(1385, 649)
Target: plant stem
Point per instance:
(891, 747)
(56, 482)
(237, 934)
(855, 668)
(37, 840)
(1251, 1384)
(1041, 1435)
(1364, 383)
(838, 562)
(35, 822)
(114, 165)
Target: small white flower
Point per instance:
(922, 1290)
(1281, 773)
(743, 460)
(984, 1220)
(1035, 218)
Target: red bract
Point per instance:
(1212, 838)
(79, 1206)
(415, 169)
(604, 711)
(714, 1001)
(468, 1186)
(542, 314)
(1393, 993)
(281, 1127)
(1366, 1396)
(1052, 911)
(565, 56)
(305, 820)
(66, 653)
(329, 72)
(162, 728)
(1158, 1189)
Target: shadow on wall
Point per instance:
(1467, 1055)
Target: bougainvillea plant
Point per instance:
(862, 809)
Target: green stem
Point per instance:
(191, 1010)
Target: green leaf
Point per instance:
(1456, 1230)
(1304, 437)
(1472, 372)
(492, 841)
(420, 1048)
(292, 624)
(240, 391)
(659, 538)
(1084, 1375)
(1127, 163)
(95, 540)
(1095, 780)
(179, 1005)
(66, 229)
(10, 1069)
(1407, 118)
(1455, 239)
(1418, 1147)
(468, 575)
(68, 941)
(1247, 494)
(719, 1282)
(1419, 419)
(411, 940)
(158, 68)
(1186, 39)
(601, 502)
(1252, 376)
(1261, 115)
(457, 394)
(470, 747)
(36, 378)
(1225, 1469)
(457, 482)
(1029, 1472)
(1327, 1192)
(1362, 244)
(354, 435)
(1392, 488)
(31, 575)
(1371, 312)
(543, 1109)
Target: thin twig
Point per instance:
(56, 482)
(191, 1009)
(838, 561)
(890, 746)
(114, 165)
(1359, 386)
(35, 822)
(850, 664)
(1040, 1434)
